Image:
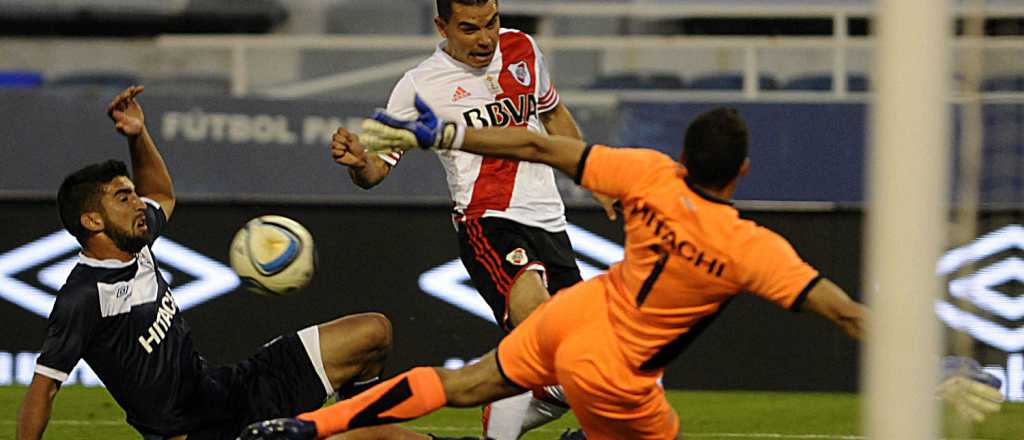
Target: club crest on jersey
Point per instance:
(123, 291)
(517, 257)
(521, 72)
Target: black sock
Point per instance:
(354, 387)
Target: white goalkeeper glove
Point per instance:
(972, 392)
(383, 132)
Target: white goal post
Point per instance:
(907, 217)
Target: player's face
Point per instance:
(124, 215)
(472, 33)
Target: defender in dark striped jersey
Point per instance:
(117, 313)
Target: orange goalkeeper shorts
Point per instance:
(568, 341)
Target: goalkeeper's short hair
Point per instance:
(715, 146)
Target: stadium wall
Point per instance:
(228, 149)
(403, 261)
(216, 147)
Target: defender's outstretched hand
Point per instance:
(383, 132)
(973, 392)
(127, 113)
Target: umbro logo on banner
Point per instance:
(449, 282)
(987, 288)
(30, 275)
(996, 288)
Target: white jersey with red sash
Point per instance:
(511, 92)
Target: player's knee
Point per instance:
(365, 337)
(375, 332)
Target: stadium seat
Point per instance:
(139, 17)
(1003, 83)
(94, 79)
(638, 81)
(10, 79)
(617, 81)
(731, 81)
(188, 85)
(822, 82)
(97, 83)
(392, 17)
(666, 81)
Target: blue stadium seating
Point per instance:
(95, 79)
(139, 17)
(731, 81)
(95, 83)
(1003, 83)
(617, 81)
(822, 82)
(10, 79)
(189, 85)
(391, 17)
(666, 81)
(638, 81)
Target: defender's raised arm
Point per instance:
(149, 172)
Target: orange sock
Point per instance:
(412, 394)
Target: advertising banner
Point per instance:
(403, 261)
(218, 148)
(230, 149)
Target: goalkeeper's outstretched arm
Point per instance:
(560, 152)
(385, 132)
(973, 392)
(831, 302)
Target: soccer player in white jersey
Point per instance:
(508, 214)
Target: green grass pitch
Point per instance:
(90, 413)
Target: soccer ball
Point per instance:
(273, 255)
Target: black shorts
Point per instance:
(497, 251)
(278, 381)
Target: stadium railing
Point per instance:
(239, 49)
(244, 55)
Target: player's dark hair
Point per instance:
(715, 146)
(444, 7)
(81, 191)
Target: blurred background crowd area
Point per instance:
(757, 46)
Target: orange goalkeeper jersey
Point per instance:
(686, 253)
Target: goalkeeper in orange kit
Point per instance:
(607, 340)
